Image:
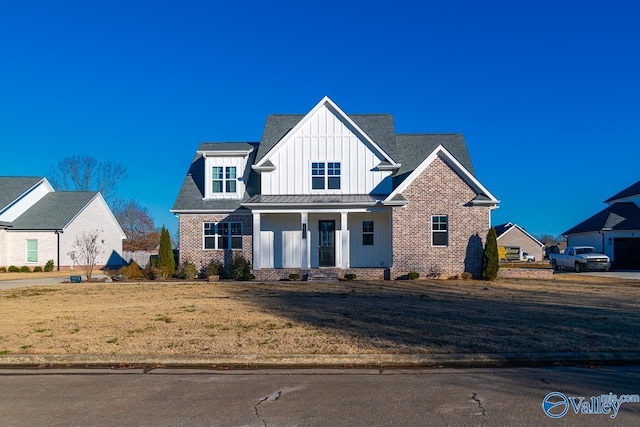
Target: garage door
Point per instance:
(626, 253)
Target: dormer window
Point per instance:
(325, 176)
(224, 179)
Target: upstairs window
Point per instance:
(223, 235)
(224, 179)
(440, 230)
(367, 233)
(325, 176)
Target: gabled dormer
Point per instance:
(324, 152)
(225, 169)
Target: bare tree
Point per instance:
(84, 173)
(88, 248)
(137, 224)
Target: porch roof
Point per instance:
(314, 200)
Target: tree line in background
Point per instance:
(85, 173)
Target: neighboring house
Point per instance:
(615, 231)
(38, 224)
(328, 193)
(512, 235)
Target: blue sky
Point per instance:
(546, 92)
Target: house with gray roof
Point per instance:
(328, 193)
(510, 235)
(38, 224)
(615, 230)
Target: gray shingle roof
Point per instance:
(225, 146)
(632, 190)
(12, 187)
(502, 228)
(54, 211)
(408, 149)
(618, 216)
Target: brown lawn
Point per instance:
(573, 313)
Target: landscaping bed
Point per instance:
(573, 313)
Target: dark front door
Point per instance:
(326, 244)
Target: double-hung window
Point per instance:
(223, 235)
(440, 230)
(325, 175)
(32, 251)
(223, 179)
(367, 233)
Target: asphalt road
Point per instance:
(464, 397)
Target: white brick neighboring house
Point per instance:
(331, 193)
(38, 224)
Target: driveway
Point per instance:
(617, 274)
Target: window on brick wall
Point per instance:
(32, 251)
(223, 235)
(439, 230)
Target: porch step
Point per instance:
(323, 276)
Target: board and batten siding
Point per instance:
(323, 137)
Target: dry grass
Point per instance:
(517, 315)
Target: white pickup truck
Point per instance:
(580, 258)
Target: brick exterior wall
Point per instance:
(515, 237)
(439, 190)
(192, 241)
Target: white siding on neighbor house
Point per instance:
(16, 248)
(586, 239)
(325, 138)
(595, 239)
(378, 254)
(26, 202)
(240, 163)
(95, 217)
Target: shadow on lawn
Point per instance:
(448, 318)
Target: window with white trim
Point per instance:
(325, 175)
(223, 179)
(440, 230)
(223, 235)
(32, 251)
(367, 233)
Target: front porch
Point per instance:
(320, 274)
(320, 241)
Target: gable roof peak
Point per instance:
(297, 122)
(631, 191)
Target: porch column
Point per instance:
(304, 244)
(256, 240)
(344, 232)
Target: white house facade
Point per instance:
(38, 224)
(331, 193)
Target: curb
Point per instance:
(478, 360)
